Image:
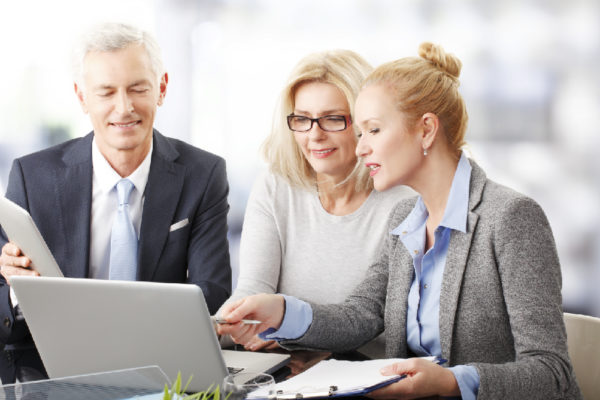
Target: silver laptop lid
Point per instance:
(88, 325)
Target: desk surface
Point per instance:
(147, 381)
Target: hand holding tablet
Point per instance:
(22, 231)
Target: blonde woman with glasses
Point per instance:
(313, 221)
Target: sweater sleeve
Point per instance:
(261, 241)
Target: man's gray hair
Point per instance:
(112, 36)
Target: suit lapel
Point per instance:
(161, 197)
(456, 263)
(75, 199)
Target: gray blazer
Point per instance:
(500, 302)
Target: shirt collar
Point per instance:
(106, 177)
(457, 207)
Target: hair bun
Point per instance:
(435, 54)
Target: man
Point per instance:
(172, 221)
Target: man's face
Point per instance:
(121, 93)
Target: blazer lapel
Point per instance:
(401, 275)
(75, 199)
(165, 183)
(456, 262)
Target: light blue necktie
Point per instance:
(123, 239)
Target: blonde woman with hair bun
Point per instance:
(313, 222)
(469, 271)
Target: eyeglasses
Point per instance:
(328, 123)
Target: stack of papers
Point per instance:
(330, 378)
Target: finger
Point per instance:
(228, 308)
(228, 329)
(238, 310)
(256, 343)
(8, 272)
(238, 331)
(244, 337)
(11, 249)
(400, 368)
(244, 309)
(20, 261)
(21, 271)
(392, 369)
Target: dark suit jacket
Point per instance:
(500, 301)
(55, 185)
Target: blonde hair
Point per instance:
(428, 84)
(344, 69)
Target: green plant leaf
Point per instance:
(177, 384)
(187, 384)
(167, 394)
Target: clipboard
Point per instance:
(347, 378)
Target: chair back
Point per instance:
(583, 340)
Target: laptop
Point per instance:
(83, 326)
(20, 229)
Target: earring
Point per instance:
(424, 152)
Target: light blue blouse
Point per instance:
(422, 320)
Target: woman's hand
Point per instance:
(267, 308)
(423, 379)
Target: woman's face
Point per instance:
(330, 154)
(389, 145)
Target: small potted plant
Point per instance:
(176, 392)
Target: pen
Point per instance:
(221, 321)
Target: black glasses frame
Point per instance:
(347, 121)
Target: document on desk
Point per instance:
(332, 378)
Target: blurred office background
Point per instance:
(530, 80)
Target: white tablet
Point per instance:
(21, 230)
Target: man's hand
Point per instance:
(423, 379)
(14, 262)
(267, 308)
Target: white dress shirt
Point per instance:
(105, 204)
